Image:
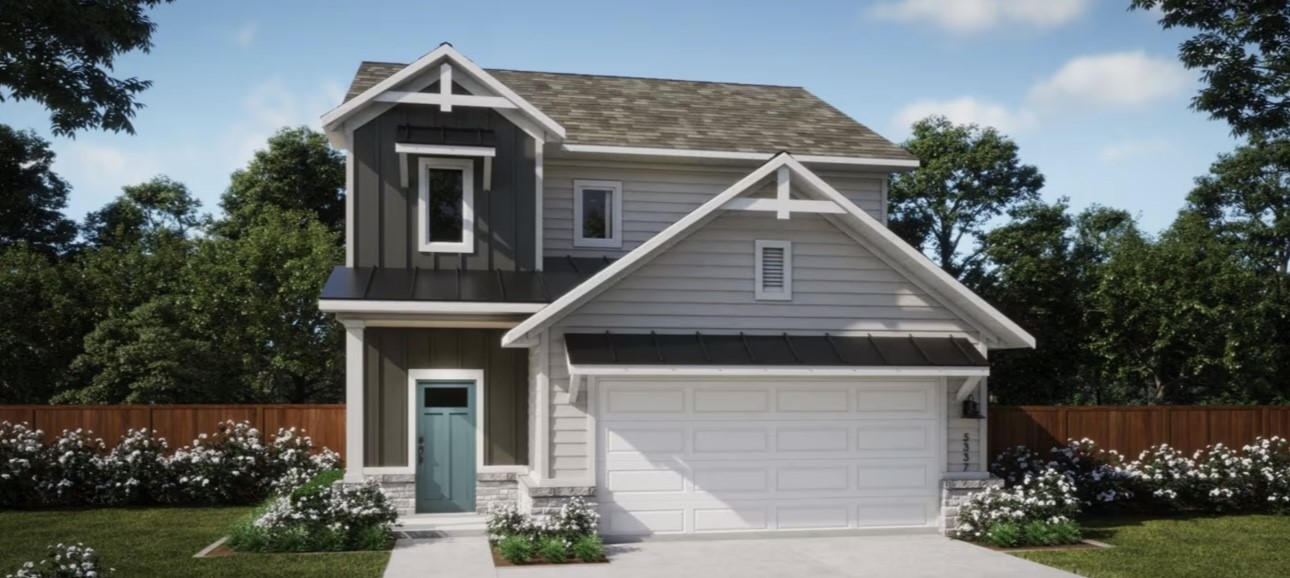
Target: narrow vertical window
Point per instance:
(598, 214)
(446, 205)
(774, 276)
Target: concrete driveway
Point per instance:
(887, 556)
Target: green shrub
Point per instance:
(588, 549)
(1004, 534)
(1040, 533)
(1010, 534)
(553, 550)
(516, 549)
(319, 516)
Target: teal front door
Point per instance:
(445, 450)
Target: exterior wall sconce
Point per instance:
(970, 408)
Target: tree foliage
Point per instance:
(969, 176)
(32, 197)
(298, 171)
(60, 53)
(1243, 52)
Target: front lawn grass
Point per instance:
(1202, 546)
(160, 543)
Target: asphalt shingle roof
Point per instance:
(682, 114)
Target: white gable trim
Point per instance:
(1006, 333)
(444, 54)
(893, 164)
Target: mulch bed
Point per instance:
(501, 562)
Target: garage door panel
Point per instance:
(813, 400)
(709, 441)
(757, 456)
(644, 400)
(727, 401)
(812, 517)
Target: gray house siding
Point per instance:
(657, 195)
(391, 352)
(386, 223)
(705, 283)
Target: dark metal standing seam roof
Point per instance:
(771, 350)
(559, 275)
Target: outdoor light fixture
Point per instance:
(970, 408)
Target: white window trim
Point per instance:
(761, 295)
(616, 188)
(467, 168)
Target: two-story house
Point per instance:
(676, 299)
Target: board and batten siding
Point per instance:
(391, 352)
(705, 283)
(655, 196)
(386, 220)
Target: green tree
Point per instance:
(969, 176)
(60, 53)
(32, 196)
(153, 212)
(41, 324)
(298, 171)
(1243, 52)
(257, 297)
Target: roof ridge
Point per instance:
(625, 76)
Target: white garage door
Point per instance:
(680, 457)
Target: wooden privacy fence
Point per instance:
(1131, 429)
(180, 424)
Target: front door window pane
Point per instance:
(446, 207)
(446, 397)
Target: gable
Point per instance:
(821, 198)
(707, 281)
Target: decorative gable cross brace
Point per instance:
(783, 204)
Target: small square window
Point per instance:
(446, 199)
(598, 214)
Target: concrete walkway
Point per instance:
(888, 556)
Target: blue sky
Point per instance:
(1093, 94)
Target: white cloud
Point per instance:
(1112, 80)
(108, 168)
(1122, 151)
(968, 110)
(272, 105)
(245, 35)
(967, 16)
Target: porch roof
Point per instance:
(559, 275)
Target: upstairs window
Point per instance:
(774, 276)
(597, 214)
(446, 206)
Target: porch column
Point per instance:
(353, 400)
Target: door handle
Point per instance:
(421, 450)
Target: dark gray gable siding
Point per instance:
(386, 222)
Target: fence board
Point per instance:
(181, 424)
(1132, 429)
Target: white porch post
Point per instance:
(353, 401)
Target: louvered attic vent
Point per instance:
(774, 270)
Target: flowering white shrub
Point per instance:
(73, 472)
(1165, 475)
(574, 520)
(232, 466)
(507, 520)
(1048, 496)
(65, 561)
(1270, 472)
(21, 453)
(321, 516)
(1222, 478)
(1013, 464)
(136, 470)
(1100, 476)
